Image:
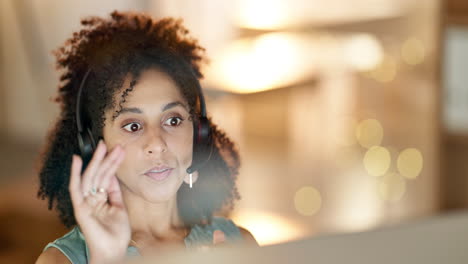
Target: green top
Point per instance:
(73, 244)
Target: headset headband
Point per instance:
(79, 122)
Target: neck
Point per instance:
(158, 221)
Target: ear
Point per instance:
(194, 178)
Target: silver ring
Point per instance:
(101, 190)
(93, 191)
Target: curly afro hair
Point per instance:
(126, 44)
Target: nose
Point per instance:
(154, 142)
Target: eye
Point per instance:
(173, 121)
(132, 127)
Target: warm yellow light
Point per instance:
(369, 133)
(269, 61)
(363, 52)
(359, 192)
(410, 163)
(392, 187)
(307, 200)
(377, 161)
(386, 71)
(262, 14)
(413, 51)
(268, 228)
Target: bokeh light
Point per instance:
(377, 161)
(386, 71)
(391, 187)
(413, 51)
(363, 52)
(356, 201)
(254, 65)
(307, 200)
(369, 133)
(410, 163)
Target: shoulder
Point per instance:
(70, 247)
(248, 237)
(52, 255)
(244, 233)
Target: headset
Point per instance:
(202, 136)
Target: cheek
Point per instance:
(131, 156)
(114, 139)
(189, 147)
(183, 147)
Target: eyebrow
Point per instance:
(137, 110)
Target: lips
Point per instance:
(159, 173)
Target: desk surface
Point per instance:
(437, 240)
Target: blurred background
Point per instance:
(349, 115)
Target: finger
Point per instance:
(94, 200)
(106, 165)
(218, 237)
(97, 200)
(75, 180)
(114, 166)
(114, 193)
(90, 171)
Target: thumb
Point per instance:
(218, 237)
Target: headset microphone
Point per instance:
(194, 168)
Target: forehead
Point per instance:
(152, 87)
(153, 91)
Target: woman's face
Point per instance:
(154, 129)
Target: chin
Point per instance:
(159, 193)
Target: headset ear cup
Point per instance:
(203, 145)
(91, 139)
(204, 131)
(87, 145)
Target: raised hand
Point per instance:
(98, 205)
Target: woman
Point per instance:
(160, 170)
